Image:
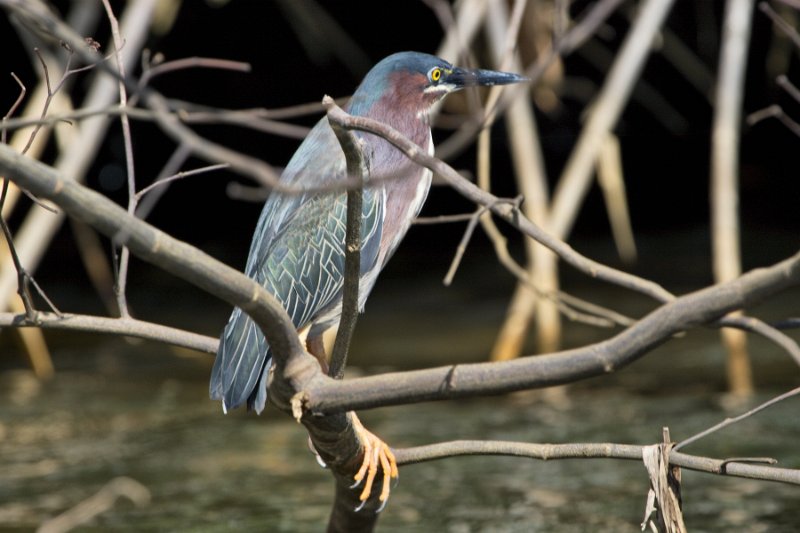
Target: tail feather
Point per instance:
(241, 366)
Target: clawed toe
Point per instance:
(376, 453)
(313, 450)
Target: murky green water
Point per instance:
(141, 411)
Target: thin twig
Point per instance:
(780, 23)
(470, 229)
(507, 212)
(13, 109)
(749, 323)
(774, 111)
(185, 111)
(22, 280)
(730, 421)
(734, 466)
(151, 71)
(784, 83)
(128, 327)
(124, 257)
(444, 219)
(179, 176)
(97, 504)
(788, 323)
(462, 246)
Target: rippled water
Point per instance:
(121, 410)
(140, 410)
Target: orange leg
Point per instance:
(376, 452)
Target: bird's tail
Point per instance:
(240, 369)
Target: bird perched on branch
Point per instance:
(297, 252)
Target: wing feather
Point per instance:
(297, 254)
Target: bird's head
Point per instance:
(411, 82)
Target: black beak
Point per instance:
(461, 77)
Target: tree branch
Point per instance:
(460, 381)
(505, 211)
(356, 170)
(128, 327)
(548, 452)
(334, 437)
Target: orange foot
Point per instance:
(376, 452)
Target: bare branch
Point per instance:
(780, 23)
(13, 108)
(774, 111)
(122, 266)
(737, 467)
(128, 327)
(356, 170)
(461, 381)
(730, 421)
(502, 210)
(180, 176)
(769, 332)
(152, 71)
(462, 246)
(789, 323)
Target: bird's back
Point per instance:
(297, 255)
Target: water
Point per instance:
(141, 411)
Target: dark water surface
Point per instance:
(140, 410)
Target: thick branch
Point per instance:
(459, 381)
(334, 437)
(159, 249)
(439, 383)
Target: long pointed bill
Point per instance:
(461, 77)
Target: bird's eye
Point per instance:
(435, 74)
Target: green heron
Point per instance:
(297, 252)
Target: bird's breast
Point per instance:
(405, 191)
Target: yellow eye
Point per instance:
(436, 74)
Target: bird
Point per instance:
(297, 249)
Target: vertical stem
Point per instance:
(122, 273)
(356, 170)
(532, 183)
(577, 175)
(725, 174)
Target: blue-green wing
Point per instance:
(298, 255)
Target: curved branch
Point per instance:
(129, 327)
(512, 215)
(460, 381)
(334, 437)
(755, 325)
(323, 395)
(507, 212)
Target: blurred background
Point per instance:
(120, 407)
